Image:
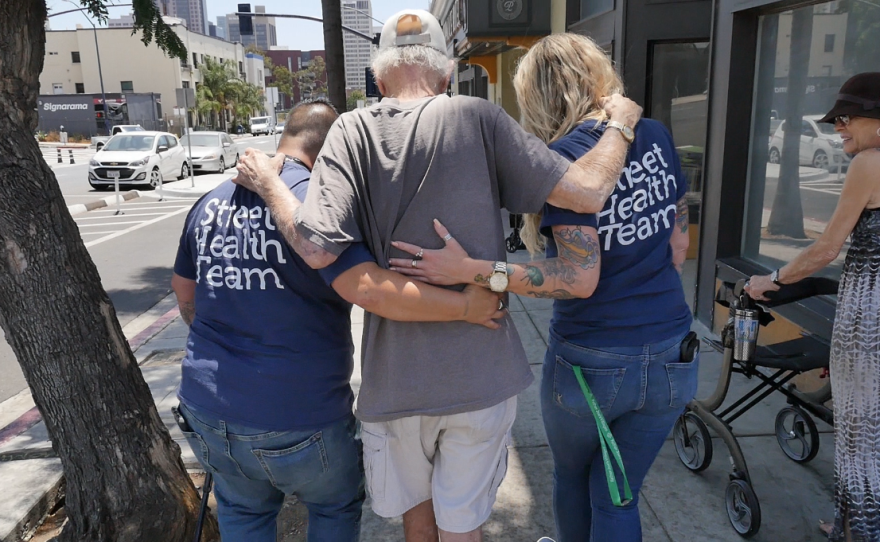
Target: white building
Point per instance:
(71, 63)
(357, 15)
(125, 21)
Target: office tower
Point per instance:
(264, 30)
(357, 15)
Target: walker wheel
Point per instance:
(511, 245)
(692, 442)
(743, 509)
(797, 434)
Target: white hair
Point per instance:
(435, 65)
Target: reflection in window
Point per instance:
(678, 84)
(797, 164)
(595, 7)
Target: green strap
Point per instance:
(606, 439)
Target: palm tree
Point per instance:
(217, 91)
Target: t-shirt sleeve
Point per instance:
(527, 170)
(554, 216)
(184, 263)
(330, 213)
(355, 254)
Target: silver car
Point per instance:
(211, 151)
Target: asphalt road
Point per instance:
(73, 178)
(134, 252)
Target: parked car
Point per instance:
(262, 125)
(820, 147)
(100, 141)
(211, 151)
(140, 158)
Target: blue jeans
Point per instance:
(641, 391)
(254, 469)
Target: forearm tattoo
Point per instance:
(577, 246)
(681, 215)
(187, 311)
(555, 294)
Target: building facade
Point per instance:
(265, 35)
(194, 12)
(357, 15)
(222, 27)
(129, 66)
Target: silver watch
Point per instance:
(498, 279)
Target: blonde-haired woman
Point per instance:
(625, 335)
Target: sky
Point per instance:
(295, 34)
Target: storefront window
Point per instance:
(590, 8)
(678, 90)
(797, 164)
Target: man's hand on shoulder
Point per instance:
(256, 171)
(621, 109)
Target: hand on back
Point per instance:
(621, 109)
(255, 169)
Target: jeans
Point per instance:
(641, 390)
(254, 469)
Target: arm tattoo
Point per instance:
(534, 276)
(480, 279)
(188, 311)
(555, 294)
(577, 246)
(681, 215)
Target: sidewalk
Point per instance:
(676, 505)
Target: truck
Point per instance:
(99, 141)
(262, 125)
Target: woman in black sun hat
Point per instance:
(855, 341)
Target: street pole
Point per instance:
(98, 54)
(189, 167)
(100, 77)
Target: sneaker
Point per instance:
(545, 539)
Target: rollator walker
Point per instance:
(773, 366)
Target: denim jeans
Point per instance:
(254, 469)
(641, 391)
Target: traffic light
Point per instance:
(372, 89)
(245, 22)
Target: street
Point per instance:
(134, 252)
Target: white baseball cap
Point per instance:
(413, 27)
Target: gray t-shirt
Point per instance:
(383, 175)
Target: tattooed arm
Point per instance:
(680, 237)
(185, 290)
(574, 274)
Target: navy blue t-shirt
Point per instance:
(270, 346)
(639, 299)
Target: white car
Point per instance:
(140, 158)
(821, 147)
(262, 125)
(211, 151)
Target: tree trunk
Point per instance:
(125, 479)
(787, 215)
(332, 12)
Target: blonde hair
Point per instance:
(558, 84)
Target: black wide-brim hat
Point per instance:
(858, 97)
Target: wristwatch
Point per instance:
(498, 279)
(625, 130)
(774, 277)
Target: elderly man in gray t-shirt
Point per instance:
(437, 400)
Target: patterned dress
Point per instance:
(855, 386)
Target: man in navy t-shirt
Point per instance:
(265, 395)
(265, 386)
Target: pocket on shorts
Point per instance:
(375, 456)
(682, 382)
(298, 464)
(604, 383)
(500, 470)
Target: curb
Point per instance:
(80, 208)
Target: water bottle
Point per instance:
(745, 333)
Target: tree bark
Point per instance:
(332, 13)
(787, 214)
(125, 479)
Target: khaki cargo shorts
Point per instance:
(458, 461)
